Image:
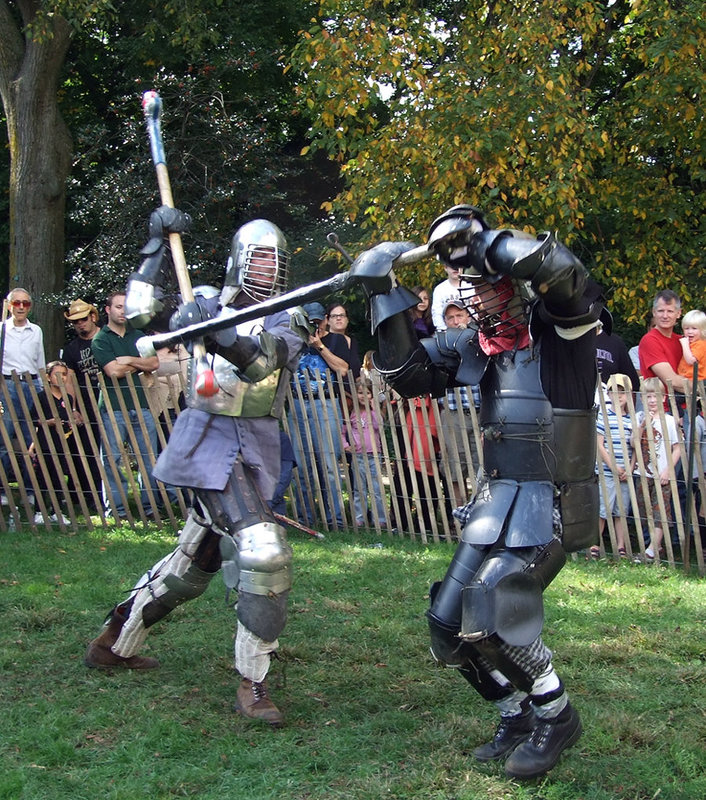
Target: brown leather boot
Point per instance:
(253, 701)
(100, 656)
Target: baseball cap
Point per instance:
(80, 309)
(617, 382)
(456, 302)
(315, 311)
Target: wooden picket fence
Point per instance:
(31, 493)
(417, 502)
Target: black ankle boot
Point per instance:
(510, 732)
(540, 752)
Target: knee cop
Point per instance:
(264, 566)
(256, 557)
(505, 596)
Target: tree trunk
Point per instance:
(40, 161)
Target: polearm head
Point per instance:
(152, 106)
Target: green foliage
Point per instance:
(583, 117)
(232, 138)
(369, 715)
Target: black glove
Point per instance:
(168, 220)
(163, 221)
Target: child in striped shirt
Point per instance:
(617, 456)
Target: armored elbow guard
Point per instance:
(385, 306)
(141, 304)
(561, 277)
(584, 309)
(554, 272)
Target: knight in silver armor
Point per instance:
(225, 447)
(532, 351)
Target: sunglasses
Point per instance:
(21, 303)
(80, 319)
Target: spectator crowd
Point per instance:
(80, 434)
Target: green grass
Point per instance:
(369, 715)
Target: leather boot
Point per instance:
(100, 655)
(253, 701)
(540, 752)
(510, 732)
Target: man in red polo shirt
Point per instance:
(660, 349)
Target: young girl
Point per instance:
(49, 440)
(617, 456)
(362, 437)
(693, 344)
(421, 313)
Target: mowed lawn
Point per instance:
(369, 714)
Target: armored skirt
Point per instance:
(203, 448)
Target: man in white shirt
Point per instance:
(442, 293)
(21, 351)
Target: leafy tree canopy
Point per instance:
(232, 136)
(578, 115)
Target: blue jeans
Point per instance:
(6, 420)
(318, 416)
(110, 447)
(365, 490)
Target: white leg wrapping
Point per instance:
(151, 585)
(252, 654)
(548, 682)
(511, 705)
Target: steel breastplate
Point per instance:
(524, 438)
(516, 419)
(235, 397)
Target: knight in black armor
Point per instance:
(225, 447)
(532, 350)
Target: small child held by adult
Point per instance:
(617, 456)
(693, 344)
(656, 455)
(362, 438)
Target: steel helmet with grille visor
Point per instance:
(258, 265)
(498, 309)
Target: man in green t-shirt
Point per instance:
(114, 348)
